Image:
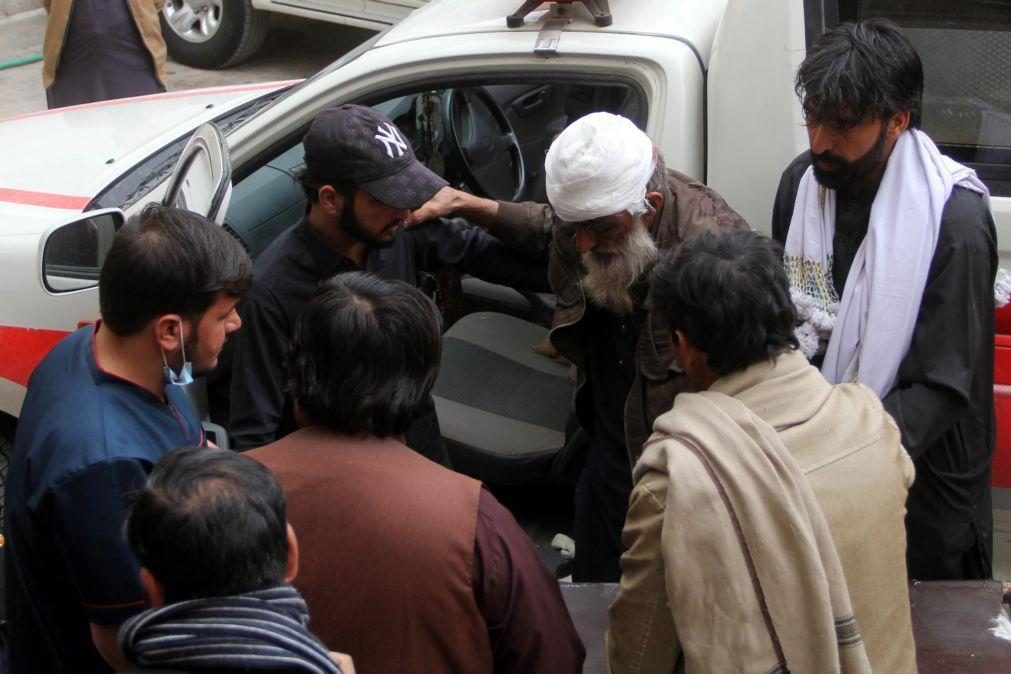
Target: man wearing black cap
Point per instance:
(362, 180)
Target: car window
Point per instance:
(138, 182)
(965, 47)
(475, 134)
(465, 133)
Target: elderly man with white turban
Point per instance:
(614, 209)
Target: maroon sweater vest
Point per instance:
(387, 550)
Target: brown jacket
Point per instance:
(145, 15)
(849, 450)
(387, 551)
(689, 208)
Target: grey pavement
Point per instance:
(12, 7)
(294, 48)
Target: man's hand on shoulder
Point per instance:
(450, 201)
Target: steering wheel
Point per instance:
(478, 135)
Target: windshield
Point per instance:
(132, 186)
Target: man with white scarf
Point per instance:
(890, 249)
(614, 207)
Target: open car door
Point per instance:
(202, 179)
(202, 182)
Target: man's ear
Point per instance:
(655, 200)
(292, 569)
(691, 357)
(694, 361)
(166, 331)
(330, 200)
(897, 124)
(682, 352)
(153, 587)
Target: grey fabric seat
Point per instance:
(502, 407)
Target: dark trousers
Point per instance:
(602, 494)
(103, 57)
(949, 527)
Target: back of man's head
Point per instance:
(364, 355)
(730, 297)
(168, 261)
(859, 72)
(210, 523)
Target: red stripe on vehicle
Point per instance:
(47, 199)
(1000, 469)
(1002, 320)
(21, 349)
(156, 97)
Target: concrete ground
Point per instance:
(318, 44)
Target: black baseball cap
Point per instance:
(360, 146)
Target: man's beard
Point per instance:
(350, 224)
(608, 275)
(192, 346)
(849, 174)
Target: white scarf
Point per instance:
(870, 328)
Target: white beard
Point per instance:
(608, 278)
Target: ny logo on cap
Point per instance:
(391, 138)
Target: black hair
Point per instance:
(169, 260)
(729, 295)
(859, 72)
(210, 523)
(364, 355)
(311, 184)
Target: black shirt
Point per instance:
(287, 274)
(606, 482)
(942, 400)
(611, 370)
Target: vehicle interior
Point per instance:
(504, 408)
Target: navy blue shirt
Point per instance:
(86, 441)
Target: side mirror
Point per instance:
(73, 253)
(202, 179)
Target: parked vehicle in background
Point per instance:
(224, 33)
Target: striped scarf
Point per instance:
(257, 631)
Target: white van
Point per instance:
(711, 81)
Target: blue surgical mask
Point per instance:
(185, 375)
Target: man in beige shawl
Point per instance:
(765, 531)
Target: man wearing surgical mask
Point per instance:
(614, 207)
(101, 409)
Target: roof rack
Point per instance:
(598, 8)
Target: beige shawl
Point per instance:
(753, 579)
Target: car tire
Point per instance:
(225, 34)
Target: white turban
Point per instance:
(599, 165)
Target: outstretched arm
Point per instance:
(524, 227)
(449, 201)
